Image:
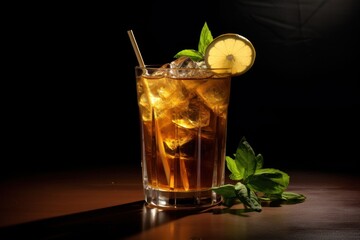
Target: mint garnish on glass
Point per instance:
(256, 185)
(198, 55)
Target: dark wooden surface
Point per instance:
(107, 203)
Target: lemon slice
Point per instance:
(230, 50)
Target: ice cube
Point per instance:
(182, 137)
(145, 108)
(185, 67)
(166, 94)
(195, 115)
(215, 94)
(183, 62)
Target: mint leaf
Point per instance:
(259, 161)
(247, 197)
(236, 173)
(284, 198)
(193, 54)
(227, 191)
(268, 180)
(292, 198)
(198, 55)
(245, 159)
(205, 39)
(269, 183)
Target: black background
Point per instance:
(72, 103)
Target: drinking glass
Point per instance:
(183, 120)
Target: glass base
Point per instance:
(181, 200)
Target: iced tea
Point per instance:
(183, 116)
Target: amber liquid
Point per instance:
(201, 159)
(184, 124)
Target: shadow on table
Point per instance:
(107, 223)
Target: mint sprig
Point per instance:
(198, 55)
(256, 185)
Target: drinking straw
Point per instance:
(147, 92)
(136, 48)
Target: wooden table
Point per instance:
(107, 203)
